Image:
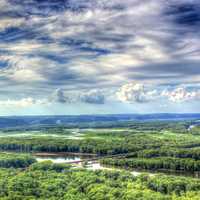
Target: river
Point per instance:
(95, 165)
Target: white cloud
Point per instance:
(24, 69)
(26, 75)
(135, 92)
(9, 22)
(5, 5)
(181, 94)
(65, 97)
(92, 97)
(60, 96)
(23, 47)
(22, 103)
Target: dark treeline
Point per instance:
(168, 152)
(130, 143)
(139, 123)
(98, 146)
(8, 160)
(62, 145)
(166, 163)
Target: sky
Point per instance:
(99, 56)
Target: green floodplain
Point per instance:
(138, 161)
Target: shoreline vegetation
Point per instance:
(63, 154)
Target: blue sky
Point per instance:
(99, 56)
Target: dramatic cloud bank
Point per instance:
(100, 52)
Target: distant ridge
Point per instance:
(18, 121)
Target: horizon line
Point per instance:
(108, 114)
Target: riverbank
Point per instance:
(63, 154)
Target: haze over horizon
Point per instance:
(71, 57)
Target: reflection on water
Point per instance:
(54, 159)
(70, 134)
(95, 165)
(90, 165)
(61, 158)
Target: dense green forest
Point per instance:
(157, 146)
(57, 181)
